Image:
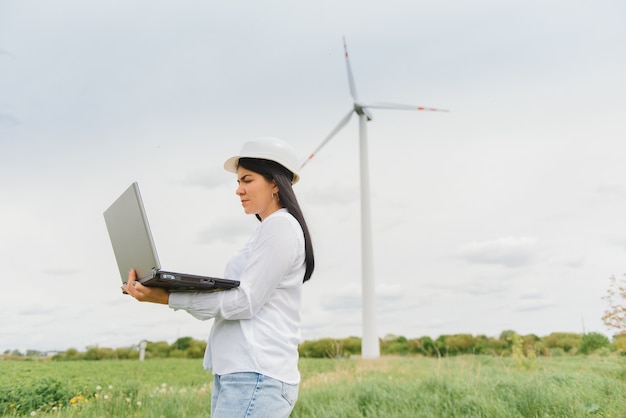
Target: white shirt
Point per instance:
(257, 325)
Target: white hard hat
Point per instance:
(272, 149)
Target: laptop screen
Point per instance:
(130, 235)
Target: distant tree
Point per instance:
(393, 344)
(182, 343)
(325, 347)
(352, 346)
(423, 345)
(305, 349)
(507, 335)
(497, 346)
(482, 345)
(567, 341)
(460, 344)
(532, 345)
(592, 342)
(442, 346)
(615, 315)
(504, 345)
(99, 353)
(335, 349)
(69, 354)
(157, 349)
(124, 353)
(195, 349)
(72, 353)
(330, 348)
(620, 342)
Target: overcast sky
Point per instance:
(506, 213)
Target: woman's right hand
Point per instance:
(144, 293)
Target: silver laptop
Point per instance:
(134, 248)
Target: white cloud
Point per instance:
(508, 251)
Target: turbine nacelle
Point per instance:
(362, 111)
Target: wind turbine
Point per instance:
(370, 347)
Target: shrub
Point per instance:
(592, 342)
(568, 341)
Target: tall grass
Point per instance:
(466, 386)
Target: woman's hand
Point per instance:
(144, 293)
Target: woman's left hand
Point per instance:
(144, 293)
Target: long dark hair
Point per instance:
(282, 177)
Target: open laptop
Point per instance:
(134, 248)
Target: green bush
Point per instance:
(568, 341)
(593, 341)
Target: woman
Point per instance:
(253, 345)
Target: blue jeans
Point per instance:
(242, 395)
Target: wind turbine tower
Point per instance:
(370, 346)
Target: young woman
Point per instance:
(253, 345)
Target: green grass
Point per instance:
(466, 386)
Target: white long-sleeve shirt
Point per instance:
(257, 325)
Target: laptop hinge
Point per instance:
(151, 275)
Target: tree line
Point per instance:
(555, 344)
(508, 343)
(185, 347)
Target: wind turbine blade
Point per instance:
(339, 126)
(350, 77)
(402, 107)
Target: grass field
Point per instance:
(466, 386)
